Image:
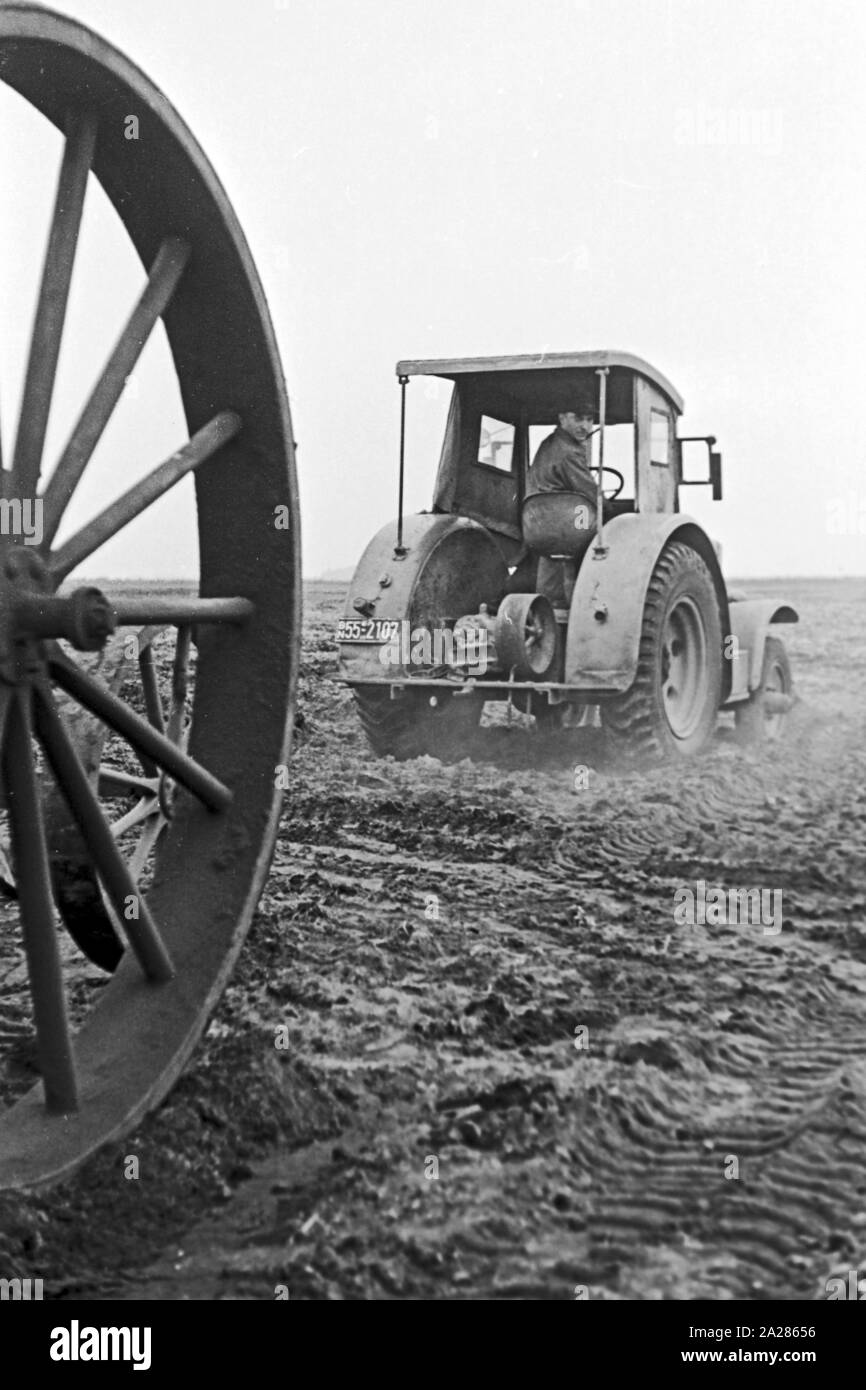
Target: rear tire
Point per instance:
(671, 708)
(410, 727)
(754, 722)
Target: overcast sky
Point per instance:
(679, 179)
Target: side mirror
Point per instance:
(716, 475)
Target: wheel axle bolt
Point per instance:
(85, 618)
(92, 620)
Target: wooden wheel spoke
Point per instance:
(119, 885)
(33, 882)
(179, 686)
(150, 687)
(141, 735)
(141, 853)
(51, 305)
(203, 445)
(147, 807)
(114, 782)
(152, 697)
(167, 268)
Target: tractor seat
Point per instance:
(558, 523)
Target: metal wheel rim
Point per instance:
(135, 1041)
(684, 667)
(539, 640)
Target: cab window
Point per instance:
(660, 438)
(495, 444)
(618, 451)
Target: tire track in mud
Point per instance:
(791, 1035)
(707, 1046)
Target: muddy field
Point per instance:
(510, 1073)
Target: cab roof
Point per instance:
(537, 373)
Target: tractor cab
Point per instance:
(503, 408)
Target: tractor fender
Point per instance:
(604, 624)
(750, 621)
(450, 566)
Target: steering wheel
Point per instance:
(607, 469)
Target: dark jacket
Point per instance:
(560, 465)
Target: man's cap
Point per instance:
(582, 405)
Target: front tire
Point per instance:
(671, 708)
(755, 722)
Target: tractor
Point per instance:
(447, 609)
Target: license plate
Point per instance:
(367, 629)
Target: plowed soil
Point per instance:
(469, 1053)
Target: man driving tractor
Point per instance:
(561, 464)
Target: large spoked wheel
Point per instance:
(419, 723)
(763, 717)
(672, 706)
(109, 1054)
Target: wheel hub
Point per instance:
(31, 613)
(683, 667)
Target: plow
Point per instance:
(141, 812)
